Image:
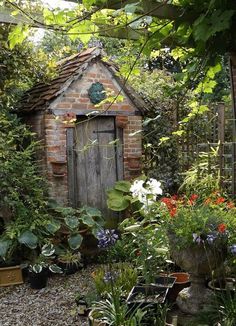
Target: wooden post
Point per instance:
(233, 169)
(71, 167)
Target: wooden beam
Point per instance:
(151, 8)
(7, 18)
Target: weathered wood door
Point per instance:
(98, 161)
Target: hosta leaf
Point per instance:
(75, 241)
(4, 246)
(93, 211)
(48, 250)
(37, 268)
(72, 222)
(55, 269)
(88, 220)
(123, 186)
(53, 226)
(29, 239)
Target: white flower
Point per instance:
(154, 187)
(138, 190)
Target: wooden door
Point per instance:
(98, 161)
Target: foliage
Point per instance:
(195, 221)
(23, 200)
(222, 311)
(124, 278)
(203, 177)
(114, 312)
(71, 221)
(45, 260)
(70, 258)
(21, 67)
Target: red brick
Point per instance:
(64, 105)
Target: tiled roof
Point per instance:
(69, 69)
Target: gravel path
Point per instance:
(52, 306)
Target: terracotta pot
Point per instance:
(182, 282)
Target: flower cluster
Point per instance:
(106, 238)
(200, 221)
(110, 276)
(146, 192)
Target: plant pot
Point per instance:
(223, 286)
(166, 281)
(69, 268)
(182, 281)
(10, 275)
(141, 297)
(93, 321)
(38, 280)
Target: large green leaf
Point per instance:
(75, 241)
(116, 200)
(53, 226)
(93, 211)
(72, 222)
(4, 247)
(123, 186)
(29, 239)
(87, 220)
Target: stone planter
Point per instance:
(94, 321)
(199, 261)
(10, 275)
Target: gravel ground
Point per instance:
(52, 306)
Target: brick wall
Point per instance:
(75, 101)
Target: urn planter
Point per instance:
(199, 260)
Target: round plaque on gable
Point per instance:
(96, 93)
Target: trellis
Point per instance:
(217, 137)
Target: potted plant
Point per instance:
(70, 262)
(38, 270)
(199, 232)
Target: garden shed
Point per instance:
(85, 147)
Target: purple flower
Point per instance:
(211, 238)
(197, 238)
(233, 249)
(109, 277)
(106, 238)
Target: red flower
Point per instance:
(175, 197)
(220, 200)
(173, 211)
(193, 197)
(221, 228)
(207, 201)
(230, 204)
